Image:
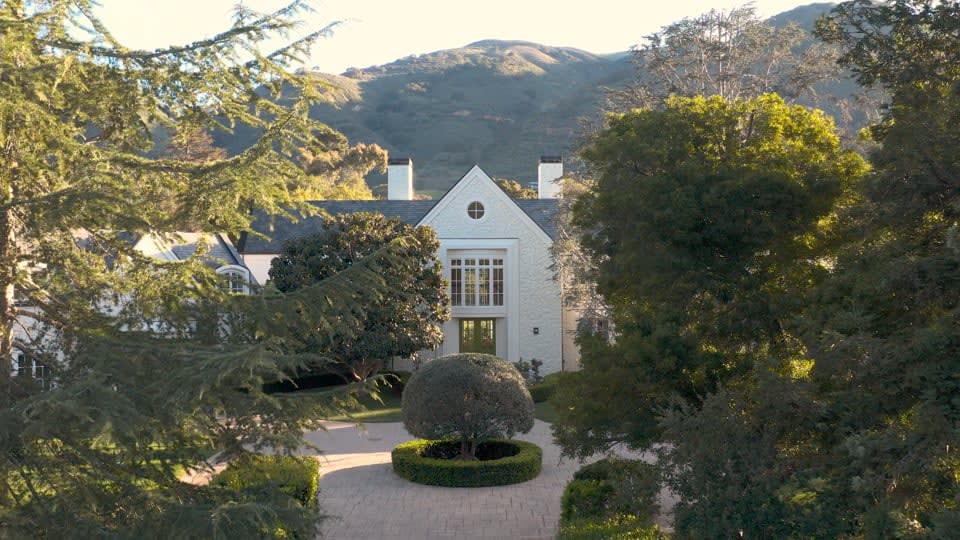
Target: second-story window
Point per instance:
(476, 281)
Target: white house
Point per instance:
(217, 251)
(495, 253)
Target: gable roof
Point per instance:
(543, 212)
(280, 230)
(220, 252)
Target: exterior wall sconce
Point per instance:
(536, 330)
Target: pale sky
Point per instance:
(380, 31)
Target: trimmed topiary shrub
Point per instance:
(469, 398)
(585, 498)
(500, 462)
(294, 476)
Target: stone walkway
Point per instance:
(367, 501)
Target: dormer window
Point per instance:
(235, 280)
(475, 210)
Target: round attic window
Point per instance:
(475, 210)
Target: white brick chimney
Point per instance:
(549, 171)
(400, 179)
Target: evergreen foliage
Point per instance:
(840, 420)
(468, 397)
(259, 476)
(410, 322)
(154, 367)
(515, 190)
(702, 225)
(499, 463)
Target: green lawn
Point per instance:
(375, 412)
(544, 411)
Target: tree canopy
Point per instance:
(702, 225)
(733, 54)
(515, 190)
(830, 407)
(408, 323)
(154, 367)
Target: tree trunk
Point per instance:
(8, 309)
(468, 450)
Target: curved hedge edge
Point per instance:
(409, 463)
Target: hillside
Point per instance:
(500, 104)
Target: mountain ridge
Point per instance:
(497, 103)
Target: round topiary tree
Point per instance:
(470, 397)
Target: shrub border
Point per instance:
(295, 476)
(409, 463)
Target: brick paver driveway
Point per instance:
(367, 501)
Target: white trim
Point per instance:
(236, 269)
(477, 174)
(511, 308)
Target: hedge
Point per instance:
(411, 461)
(622, 527)
(297, 477)
(602, 493)
(543, 391)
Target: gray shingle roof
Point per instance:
(280, 230)
(219, 250)
(543, 212)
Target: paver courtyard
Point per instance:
(358, 486)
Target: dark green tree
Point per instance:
(153, 367)
(884, 327)
(337, 171)
(407, 321)
(858, 438)
(704, 228)
(515, 190)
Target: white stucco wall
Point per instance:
(259, 265)
(532, 297)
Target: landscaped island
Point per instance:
(463, 406)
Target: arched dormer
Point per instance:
(236, 279)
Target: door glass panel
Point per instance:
(478, 336)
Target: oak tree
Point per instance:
(409, 318)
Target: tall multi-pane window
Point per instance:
(476, 281)
(38, 371)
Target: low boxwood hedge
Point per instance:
(543, 391)
(507, 462)
(295, 476)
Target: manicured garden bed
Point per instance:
(499, 462)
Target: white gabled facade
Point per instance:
(528, 325)
(495, 254)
